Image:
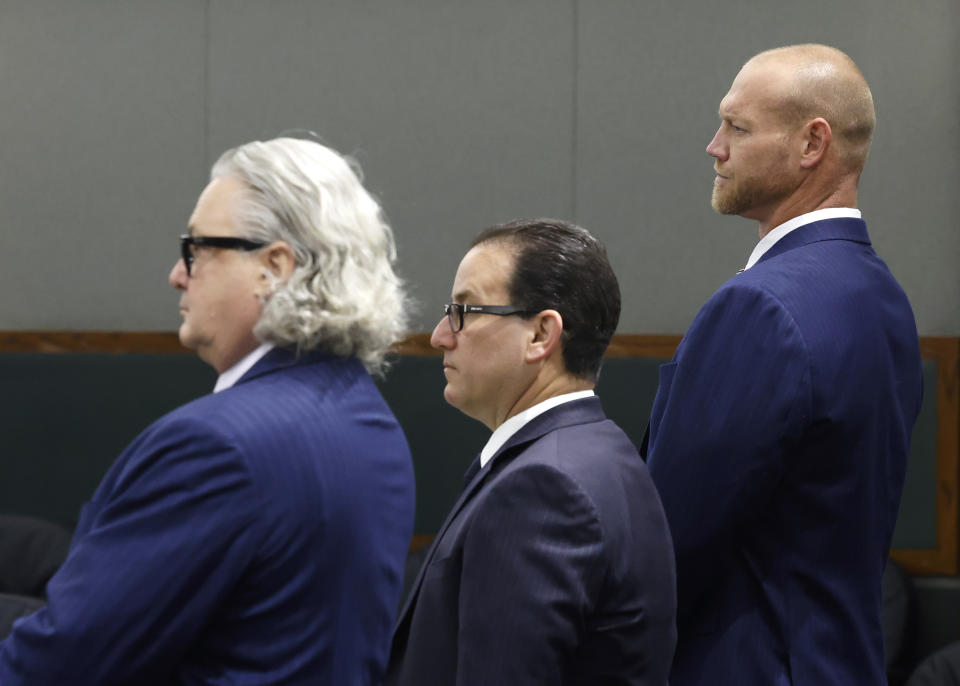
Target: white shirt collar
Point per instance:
(232, 375)
(517, 421)
(779, 232)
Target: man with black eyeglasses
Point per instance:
(256, 535)
(555, 566)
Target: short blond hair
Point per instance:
(825, 82)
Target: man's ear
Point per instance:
(817, 136)
(547, 332)
(278, 261)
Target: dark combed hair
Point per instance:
(560, 266)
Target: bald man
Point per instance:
(779, 435)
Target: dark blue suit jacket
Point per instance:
(778, 441)
(554, 567)
(253, 536)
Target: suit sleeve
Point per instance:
(727, 409)
(154, 557)
(531, 562)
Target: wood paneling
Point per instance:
(159, 342)
(945, 557)
(622, 345)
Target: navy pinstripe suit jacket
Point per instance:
(778, 441)
(253, 536)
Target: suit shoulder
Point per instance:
(537, 485)
(210, 432)
(757, 284)
(590, 461)
(207, 415)
(566, 447)
(746, 306)
(318, 398)
(826, 287)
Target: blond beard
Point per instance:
(744, 195)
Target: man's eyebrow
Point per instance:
(728, 112)
(725, 109)
(461, 296)
(734, 118)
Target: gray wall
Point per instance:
(462, 114)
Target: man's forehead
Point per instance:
(213, 213)
(756, 90)
(484, 271)
(468, 287)
(734, 107)
(728, 105)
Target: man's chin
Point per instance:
(187, 340)
(455, 400)
(722, 204)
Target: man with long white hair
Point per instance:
(257, 534)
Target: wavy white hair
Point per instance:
(344, 296)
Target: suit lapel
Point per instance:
(584, 411)
(473, 478)
(842, 229)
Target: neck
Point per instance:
(808, 198)
(538, 392)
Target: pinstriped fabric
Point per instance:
(252, 536)
(778, 441)
(553, 567)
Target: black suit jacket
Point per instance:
(554, 567)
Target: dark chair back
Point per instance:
(898, 618)
(31, 550)
(940, 669)
(12, 607)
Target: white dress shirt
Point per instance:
(517, 421)
(232, 375)
(779, 232)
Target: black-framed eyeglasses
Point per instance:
(226, 242)
(455, 312)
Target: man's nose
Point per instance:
(716, 148)
(178, 275)
(442, 337)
